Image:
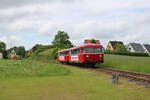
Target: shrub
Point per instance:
(120, 48)
(126, 53)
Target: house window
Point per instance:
(129, 49)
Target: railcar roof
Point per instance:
(85, 45)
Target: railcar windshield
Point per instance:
(92, 50)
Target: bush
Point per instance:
(120, 48)
(126, 53)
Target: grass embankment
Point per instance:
(130, 63)
(45, 54)
(45, 81)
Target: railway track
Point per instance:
(130, 75)
(134, 76)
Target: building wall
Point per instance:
(129, 48)
(1, 56)
(146, 51)
(109, 47)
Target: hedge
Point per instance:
(127, 53)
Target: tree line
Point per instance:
(61, 40)
(20, 51)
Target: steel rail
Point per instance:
(131, 75)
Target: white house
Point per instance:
(13, 55)
(1, 56)
(147, 48)
(135, 47)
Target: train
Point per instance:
(89, 53)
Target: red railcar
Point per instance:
(85, 54)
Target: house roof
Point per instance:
(114, 43)
(137, 47)
(147, 46)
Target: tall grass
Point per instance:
(27, 68)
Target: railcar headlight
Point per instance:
(87, 56)
(100, 56)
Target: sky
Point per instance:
(30, 22)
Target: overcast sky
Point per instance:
(30, 22)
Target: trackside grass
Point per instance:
(26, 68)
(130, 63)
(23, 80)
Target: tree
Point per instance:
(61, 40)
(3, 49)
(5, 55)
(21, 51)
(28, 53)
(2, 46)
(120, 48)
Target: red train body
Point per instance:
(85, 54)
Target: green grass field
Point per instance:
(35, 80)
(26, 68)
(130, 63)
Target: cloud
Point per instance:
(126, 20)
(18, 3)
(10, 40)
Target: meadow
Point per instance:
(129, 63)
(26, 68)
(38, 80)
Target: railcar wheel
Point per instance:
(67, 63)
(62, 62)
(93, 65)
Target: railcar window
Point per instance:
(72, 51)
(67, 53)
(62, 53)
(83, 50)
(92, 50)
(75, 51)
(97, 50)
(89, 50)
(103, 49)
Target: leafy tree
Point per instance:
(21, 51)
(28, 53)
(120, 48)
(5, 56)
(2, 46)
(61, 40)
(3, 49)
